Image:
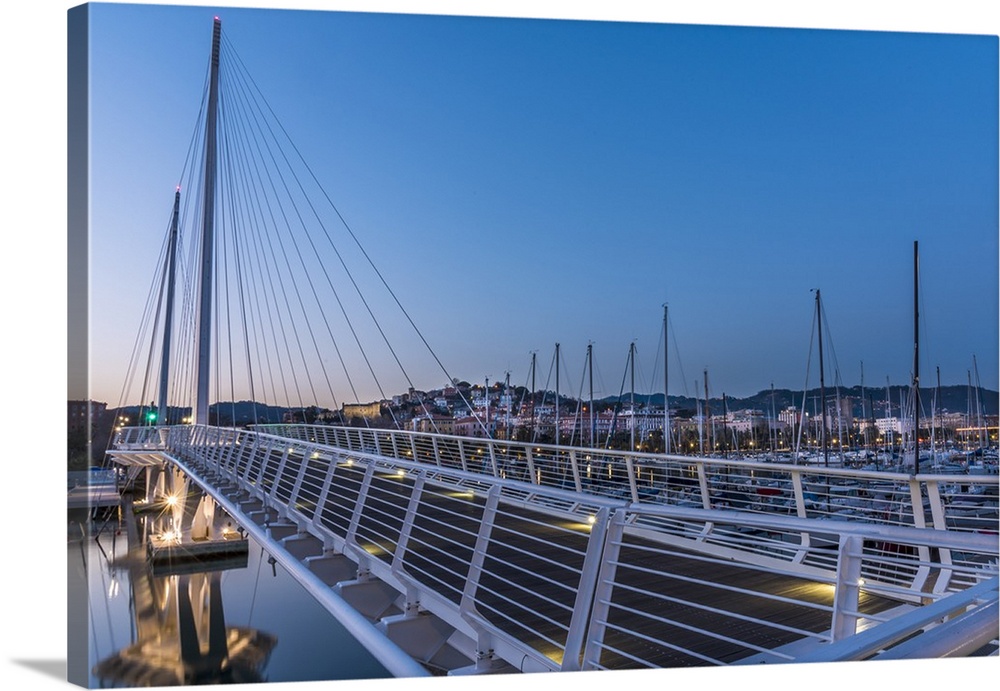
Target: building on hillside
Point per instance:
(83, 415)
(363, 410)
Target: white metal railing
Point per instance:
(948, 501)
(561, 579)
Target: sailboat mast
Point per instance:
(506, 393)
(981, 437)
(161, 408)
(208, 234)
(533, 357)
(557, 394)
(705, 412)
(863, 404)
(631, 358)
(590, 370)
(666, 381)
(934, 405)
(822, 385)
(772, 432)
(890, 441)
(725, 425)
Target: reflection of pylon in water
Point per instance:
(182, 637)
(181, 632)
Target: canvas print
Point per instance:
(413, 345)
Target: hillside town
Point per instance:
(772, 421)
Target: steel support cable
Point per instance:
(142, 330)
(186, 180)
(175, 383)
(226, 198)
(241, 258)
(288, 264)
(339, 355)
(243, 266)
(179, 342)
(241, 292)
(264, 270)
(151, 369)
(365, 254)
(151, 319)
(287, 311)
(326, 274)
(254, 291)
(273, 292)
(340, 304)
(319, 303)
(268, 250)
(185, 376)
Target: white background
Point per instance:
(33, 335)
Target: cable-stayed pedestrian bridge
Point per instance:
(452, 555)
(475, 559)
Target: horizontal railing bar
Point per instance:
(369, 506)
(395, 659)
(656, 641)
(706, 608)
(874, 639)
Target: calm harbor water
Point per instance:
(295, 638)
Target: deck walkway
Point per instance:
(530, 576)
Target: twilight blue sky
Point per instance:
(522, 182)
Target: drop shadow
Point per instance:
(50, 668)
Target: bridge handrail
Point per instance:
(944, 501)
(871, 641)
(295, 478)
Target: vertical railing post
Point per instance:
(592, 566)
(603, 590)
(706, 500)
(575, 466)
(352, 528)
(437, 452)
(848, 587)
(920, 521)
(531, 467)
(411, 515)
(324, 493)
(235, 446)
(493, 457)
(630, 469)
(800, 497)
(280, 470)
(297, 485)
(265, 459)
(467, 606)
